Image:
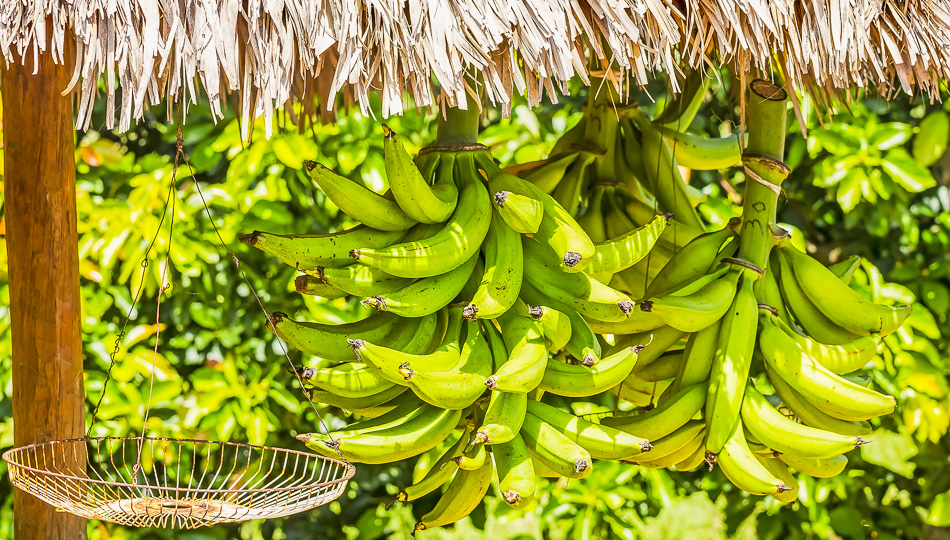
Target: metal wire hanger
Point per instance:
(183, 483)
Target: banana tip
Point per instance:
(491, 383)
(310, 164)
(858, 441)
(277, 317)
(250, 239)
(626, 306)
(512, 496)
(646, 305)
(589, 360)
(536, 311)
(355, 253)
(501, 197)
(571, 259)
(645, 446)
(782, 488)
(470, 312)
(668, 217)
(304, 437)
(581, 465)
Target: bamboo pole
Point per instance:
(42, 253)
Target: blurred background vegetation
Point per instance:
(871, 179)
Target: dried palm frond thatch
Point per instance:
(271, 52)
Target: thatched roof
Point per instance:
(271, 52)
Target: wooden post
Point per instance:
(42, 253)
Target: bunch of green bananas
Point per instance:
(499, 302)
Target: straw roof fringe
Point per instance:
(272, 52)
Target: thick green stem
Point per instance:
(765, 114)
(458, 127)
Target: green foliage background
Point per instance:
(874, 181)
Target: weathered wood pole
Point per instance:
(42, 253)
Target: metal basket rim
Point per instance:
(350, 468)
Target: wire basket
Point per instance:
(180, 483)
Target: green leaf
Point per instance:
(907, 172)
(939, 515)
(849, 190)
(936, 296)
(931, 141)
(890, 135)
(892, 451)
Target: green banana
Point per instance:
(516, 475)
(778, 432)
(472, 459)
(840, 303)
(522, 213)
(589, 297)
(670, 444)
(743, 469)
(829, 392)
(810, 414)
(703, 153)
(626, 250)
(602, 442)
(451, 246)
(328, 340)
(663, 368)
(389, 361)
(573, 249)
(681, 109)
(692, 261)
(679, 455)
(839, 359)
(503, 418)
(313, 286)
(659, 422)
(780, 470)
(549, 175)
(419, 200)
(460, 385)
(355, 404)
(464, 493)
(359, 202)
(816, 468)
(845, 268)
(306, 252)
(731, 365)
(555, 326)
(579, 380)
(442, 470)
(527, 356)
(693, 312)
(592, 220)
(348, 380)
(418, 434)
(425, 295)
(553, 448)
(504, 268)
(360, 280)
(582, 342)
(815, 323)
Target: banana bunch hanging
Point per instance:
(497, 299)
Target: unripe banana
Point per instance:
(672, 443)
(359, 202)
(579, 380)
(703, 153)
(839, 359)
(330, 340)
(743, 469)
(831, 393)
(516, 474)
(306, 252)
(812, 415)
(460, 499)
(419, 200)
(527, 356)
(440, 473)
(424, 296)
(360, 280)
(837, 301)
(731, 365)
(503, 418)
(349, 380)
(450, 247)
(816, 468)
(626, 250)
(659, 422)
(554, 449)
(699, 310)
(603, 442)
(504, 268)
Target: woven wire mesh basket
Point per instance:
(181, 483)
